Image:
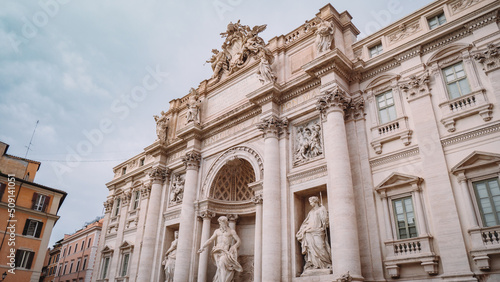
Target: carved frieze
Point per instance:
(308, 142)
(404, 30)
(489, 58)
(460, 5)
(273, 125)
(176, 189)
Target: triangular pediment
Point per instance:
(477, 159)
(126, 245)
(107, 249)
(396, 180)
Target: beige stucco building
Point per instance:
(397, 134)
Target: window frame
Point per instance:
(376, 48)
(137, 198)
(436, 16)
(26, 258)
(116, 210)
(106, 262)
(395, 220)
(37, 230)
(456, 81)
(386, 107)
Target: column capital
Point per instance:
(158, 174)
(108, 205)
(334, 99)
(416, 86)
(146, 190)
(258, 199)
(356, 109)
(206, 214)
(271, 126)
(192, 160)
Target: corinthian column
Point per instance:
(271, 210)
(257, 257)
(187, 219)
(157, 176)
(341, 203)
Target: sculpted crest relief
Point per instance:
(242, 43)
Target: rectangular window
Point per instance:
(88, 245)
(84, 263)
(117, 207)
(136, 199)
(456, 80)
(59, 272)
(64, 252)
(24, 259)
(141, 162)
(375, 50)
(124, 170)
(83, 245)
(386, 108)
(405, 218)
(33, 228)
(2, 189)
(71, 267)
(76, 247)
(125, 264)
(488, 200)
(65, 267)
(78, 265)
(40, 202)
(105, 266)
(436, 21)
(69, 250)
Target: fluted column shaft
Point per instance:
(341, 203)
(271, 209)
(205, 235)
(257, 257)
(157, 176)
(187, 218)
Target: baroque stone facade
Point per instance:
(330, 159)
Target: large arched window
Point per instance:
(231, 182)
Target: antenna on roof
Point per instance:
(29, 145)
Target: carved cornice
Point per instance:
(308, 175)
(334, 99)
(394, 157)
(272, 126)
(482, 20)
(445, 40)
(471, 135)
(380, 69)
(192, 160)
(299, 90)
(158, 174)
(333, 60)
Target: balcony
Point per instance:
(464, 106)
(396, 129)
(484, 242)
(410, 251)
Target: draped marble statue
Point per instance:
(313, 238)
(169, 261)
(224, 254)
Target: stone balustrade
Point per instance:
(464, 106)
(484, 242)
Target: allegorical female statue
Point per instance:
(313, 239)
(169, 261)
(224, 254)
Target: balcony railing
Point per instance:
(396, 129)
(413, 250)
(464, 106)
(484, 243)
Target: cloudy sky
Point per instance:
(95, 72)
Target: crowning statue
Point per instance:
(193, 104)
(313, 239)
(224, 255)
(242, 43)
(324, 35)
(161, 126)
(169, 261)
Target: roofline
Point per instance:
(64, 194)
(24, 159)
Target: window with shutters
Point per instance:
(40, 202)
(24, 259)
(33, 228)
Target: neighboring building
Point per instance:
(77, 254)
(397, 134)
(50, 267)
(30, 212)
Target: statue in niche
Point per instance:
(224, 254)
(177, 190)
(324, 35)
(193, 105)
(308, 142)
(161, 126)
(169, 261)
(313, 238)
